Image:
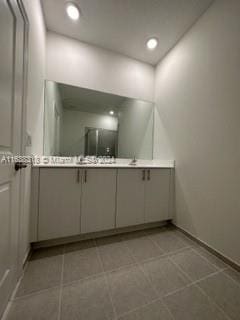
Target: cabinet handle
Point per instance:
(148, 175)
(85, 176)
(143, 175)
(78, 175)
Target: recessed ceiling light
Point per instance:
(111, 112)
(73, 11)
(152, 43)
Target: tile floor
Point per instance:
(157, 274)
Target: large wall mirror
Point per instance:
(80, 121)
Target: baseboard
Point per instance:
(96, 235)
(219, 255)
(27, 257)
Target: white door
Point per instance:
(98, 200)
(11, 98)
(157, 189)
(130, 197)
(59, 203)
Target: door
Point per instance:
(157, 189)
(59, 203)
(100, 142)
(130, 197)
(98, 200)
(11, 103)
(107, 141)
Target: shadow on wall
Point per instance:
(162, 146)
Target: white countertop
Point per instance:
(59, 162)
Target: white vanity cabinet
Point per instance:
(157, 194)
(59, 203)
(80, 200)
(98, 200)
(142, 196)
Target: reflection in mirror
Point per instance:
(80, 121)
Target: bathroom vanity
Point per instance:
(70, 200)
(75, 199)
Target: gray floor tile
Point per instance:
(235, 275)
(87, 299)
(225, 292)
(129, 289)
(185, 238)
(81, 261)
(167, 240)
(210, 257)
(193, 264)
(191, 304)
(41, 306)
(47, 252)
(164, 275)
(41, 274)
(114, 253)
(141, 247)
(153, 311)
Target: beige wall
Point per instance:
(198, 101)
(76, 63)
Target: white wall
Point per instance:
(53, 119)
(198, 100)
(35, 106)
(74, 123)
(135, 135)
(76, 63)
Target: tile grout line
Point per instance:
(106, 280)
(17, 298)
(214, 303)
(206, 259)
(195, 284)
(35, 293)
(227, 275)
(155, 290)
(61, 286)
(143, 306)
(137, 264)
(165, 253)
(150, 283)
(169, 311)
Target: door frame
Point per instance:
(22, 208)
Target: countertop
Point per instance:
(58, 162)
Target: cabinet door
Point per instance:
(98, 200)
(59, 203)
(130, 197)
(157, 195)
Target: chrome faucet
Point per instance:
(134, 161)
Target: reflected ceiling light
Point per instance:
(73, 11)
(111, 112)
(152, 43)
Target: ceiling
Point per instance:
(86, 100)
(124, 26)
